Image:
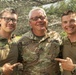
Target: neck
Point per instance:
(39, 33)
(5, 34)
(72, 37)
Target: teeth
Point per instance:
(69, 28)
(43, 28)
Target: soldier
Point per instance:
(40, 46)
(8, 47)
(69, 43)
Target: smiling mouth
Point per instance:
(70, 28)
(11, 27)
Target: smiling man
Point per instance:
(40, 46)
(69, 43)
(8, 47)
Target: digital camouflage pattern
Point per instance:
(39, 53)
(8, 52)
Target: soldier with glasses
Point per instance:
(40, 46)
(8, 47)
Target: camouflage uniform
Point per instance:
(8, 53)
(69, 50)
(39, 53)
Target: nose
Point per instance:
(39, 19)
(11, 21)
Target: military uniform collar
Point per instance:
(67, 41)
(40, 38)
(52, 35)
(2, 38)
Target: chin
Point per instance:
(10, 31)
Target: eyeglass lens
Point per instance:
(8, 19)
(38, 17)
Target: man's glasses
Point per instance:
(38, 17)
(8, 19)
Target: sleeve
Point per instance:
(19, 46)
(55, 46)
(60, 53)
(73, 72)
(1, 71)
(55, 52)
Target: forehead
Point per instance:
(69, 17)
(8, 14)
(64, 18)
(37, 13)
(73, 16)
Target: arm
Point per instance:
(1, 71)
(19, 46)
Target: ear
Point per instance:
(30, 23)
(47, 22)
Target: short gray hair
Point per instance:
(34, 9)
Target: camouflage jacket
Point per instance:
(8, 52)
(39, 53)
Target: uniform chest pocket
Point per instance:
(29, 52)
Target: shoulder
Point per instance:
(55, 37)
(25, 36)
(66, 40)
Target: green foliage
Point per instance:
(72, 5)
(60, 7)
(63, 34)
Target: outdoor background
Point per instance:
(53, 8)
